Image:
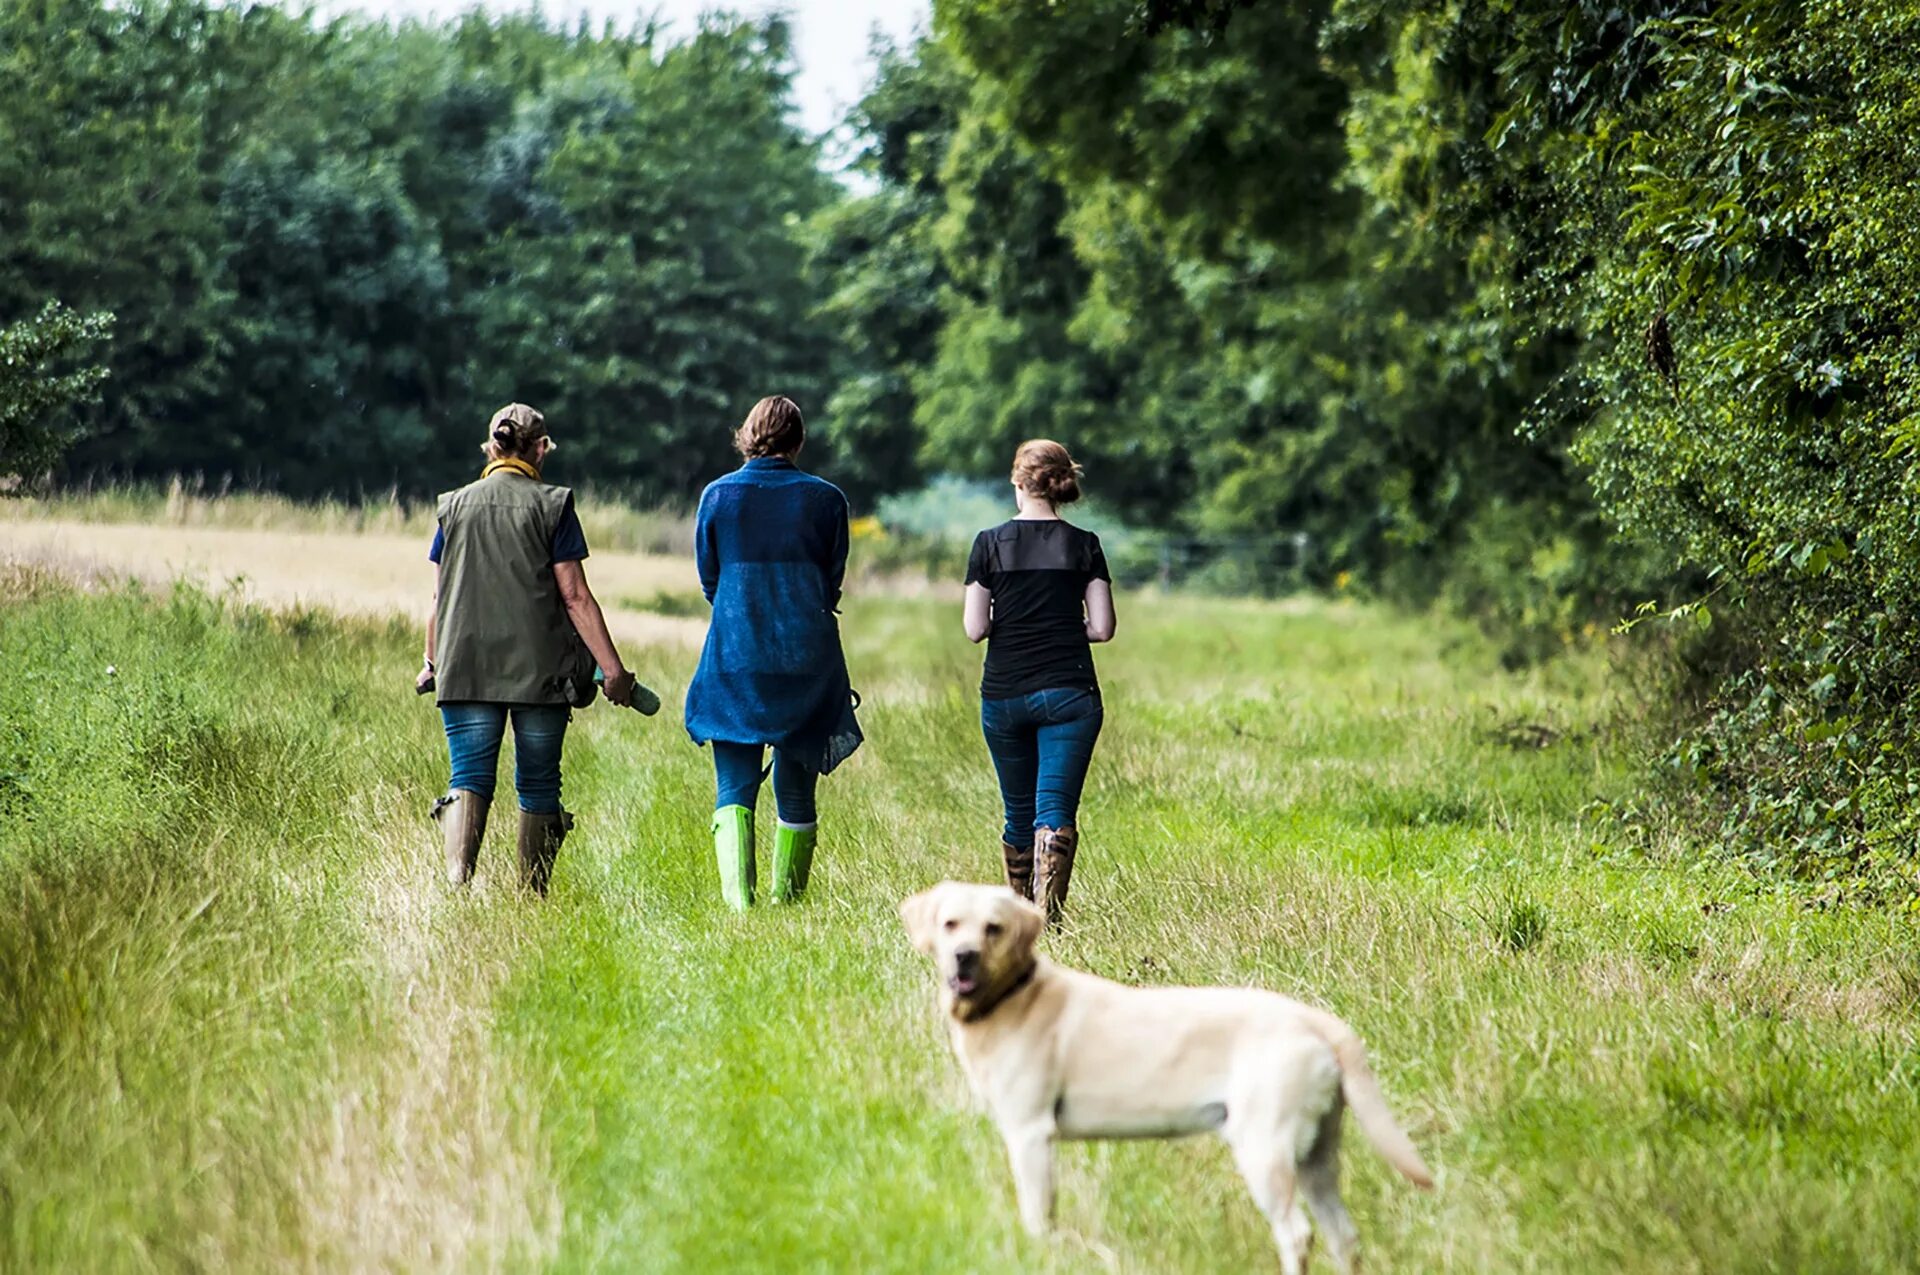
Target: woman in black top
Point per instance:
(1039, 586)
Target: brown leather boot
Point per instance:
(462, 816)
(1053, 868)
(1019, 861)
(540, 838)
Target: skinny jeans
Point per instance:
(738, 770)
(474, 731)
(1042, 744)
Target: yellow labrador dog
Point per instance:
(1056, 1053)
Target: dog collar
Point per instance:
(981, 1011)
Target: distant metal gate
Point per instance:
(1262, 565)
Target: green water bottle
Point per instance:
(645, 702)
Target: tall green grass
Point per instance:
(242, 1025)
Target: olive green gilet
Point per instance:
(501, 632)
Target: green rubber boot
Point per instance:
(733, 849)
(792, 860)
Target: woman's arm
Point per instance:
(584, 610)
(978, 612)
(1099, 603)
(433, 615)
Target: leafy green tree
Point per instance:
(43, 376)
(335, 250)
(335, 283)
(1005, 367)
(108, 145)
(1268, 346)
(880, 273)
(1698, 203)
(676, 293)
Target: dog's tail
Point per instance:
(1369, 1105)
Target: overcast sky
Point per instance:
(830, 36)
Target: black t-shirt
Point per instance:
(1037, 571)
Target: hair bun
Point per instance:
(1044, 468)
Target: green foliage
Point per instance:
(41, 380)
(1701, 197)
(675, 294)
(334, 250)
(1169, 236)
(335, 276)
(1535, 310)
(948, 508)
(1516, 922)
(113, 123)
(227, 957)
(881, 274)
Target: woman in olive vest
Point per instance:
(511, 610)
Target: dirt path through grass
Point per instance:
(432, 1154)
(372, 574)
(243, 1026)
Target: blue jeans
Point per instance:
(473, 744)
(737, 772)
(1041, 745)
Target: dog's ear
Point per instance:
(1028, 923)
(918, 912)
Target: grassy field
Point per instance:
(243, 1025)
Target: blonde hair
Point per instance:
(773, 428)
(1043, 468)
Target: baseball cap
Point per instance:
(517, 427)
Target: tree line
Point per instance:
(1552, 311)
(1561, 311)
(330, 250)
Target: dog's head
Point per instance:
(981, 939)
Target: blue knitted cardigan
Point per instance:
(771, 544)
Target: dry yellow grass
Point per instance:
(431, 1153)
(370, 574)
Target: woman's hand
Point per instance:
(591, 624)
(423, 680)
(618, 686)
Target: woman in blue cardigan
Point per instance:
(771, 543)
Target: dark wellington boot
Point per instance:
(462, 816)
(540, 838)
(1019, 861)
(1053, 868)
